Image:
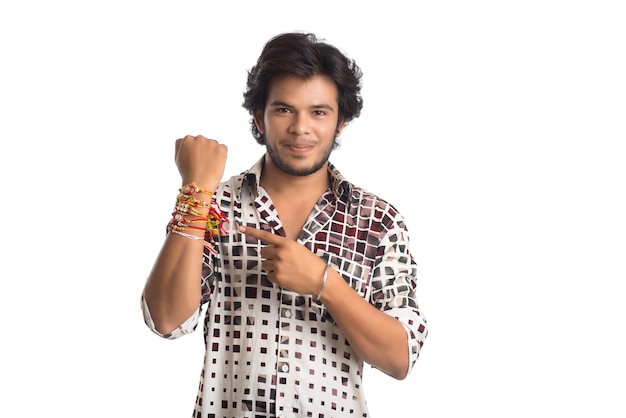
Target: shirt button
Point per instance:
(285, 367)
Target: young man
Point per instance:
(304, 276)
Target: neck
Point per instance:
(277, 182)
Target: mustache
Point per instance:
(298, 141)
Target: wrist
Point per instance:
(203, 185)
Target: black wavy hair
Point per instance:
(303, 55)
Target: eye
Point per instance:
(319, 113)
(282, 110)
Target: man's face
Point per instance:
(300, 123)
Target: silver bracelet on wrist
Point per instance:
(324, 277)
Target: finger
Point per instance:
(264, 236)
(202, 137)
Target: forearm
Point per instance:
(379, 339)
(173, 288)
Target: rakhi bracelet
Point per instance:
(190, 200)
(192, 188)
(189, 236)
(207, 245)
(178, 218)
(186, 209)
(186, 227)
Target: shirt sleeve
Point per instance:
(394, 283)
(186, 327)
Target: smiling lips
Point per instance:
(299, 148)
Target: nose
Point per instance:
(300, 124)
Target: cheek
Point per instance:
(327, 129)
(277, 124)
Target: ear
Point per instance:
(258, 120)
(340, 127)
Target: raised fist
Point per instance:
(200, 160)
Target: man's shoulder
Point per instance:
(363, 194)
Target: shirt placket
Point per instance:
(285, 368)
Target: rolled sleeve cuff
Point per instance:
(416, 330)
(186, 327)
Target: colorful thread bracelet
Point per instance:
(186, 204)
(191, 201)
(192, 188)
(189, 236)
(178, 218)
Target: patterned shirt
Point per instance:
(271, 352)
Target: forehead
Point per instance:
(300, 91)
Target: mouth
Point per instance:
(299, 148)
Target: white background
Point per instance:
(496, 128)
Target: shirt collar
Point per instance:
(339, 185)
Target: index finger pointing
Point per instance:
(264, 236)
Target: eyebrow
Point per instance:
(279, 103)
